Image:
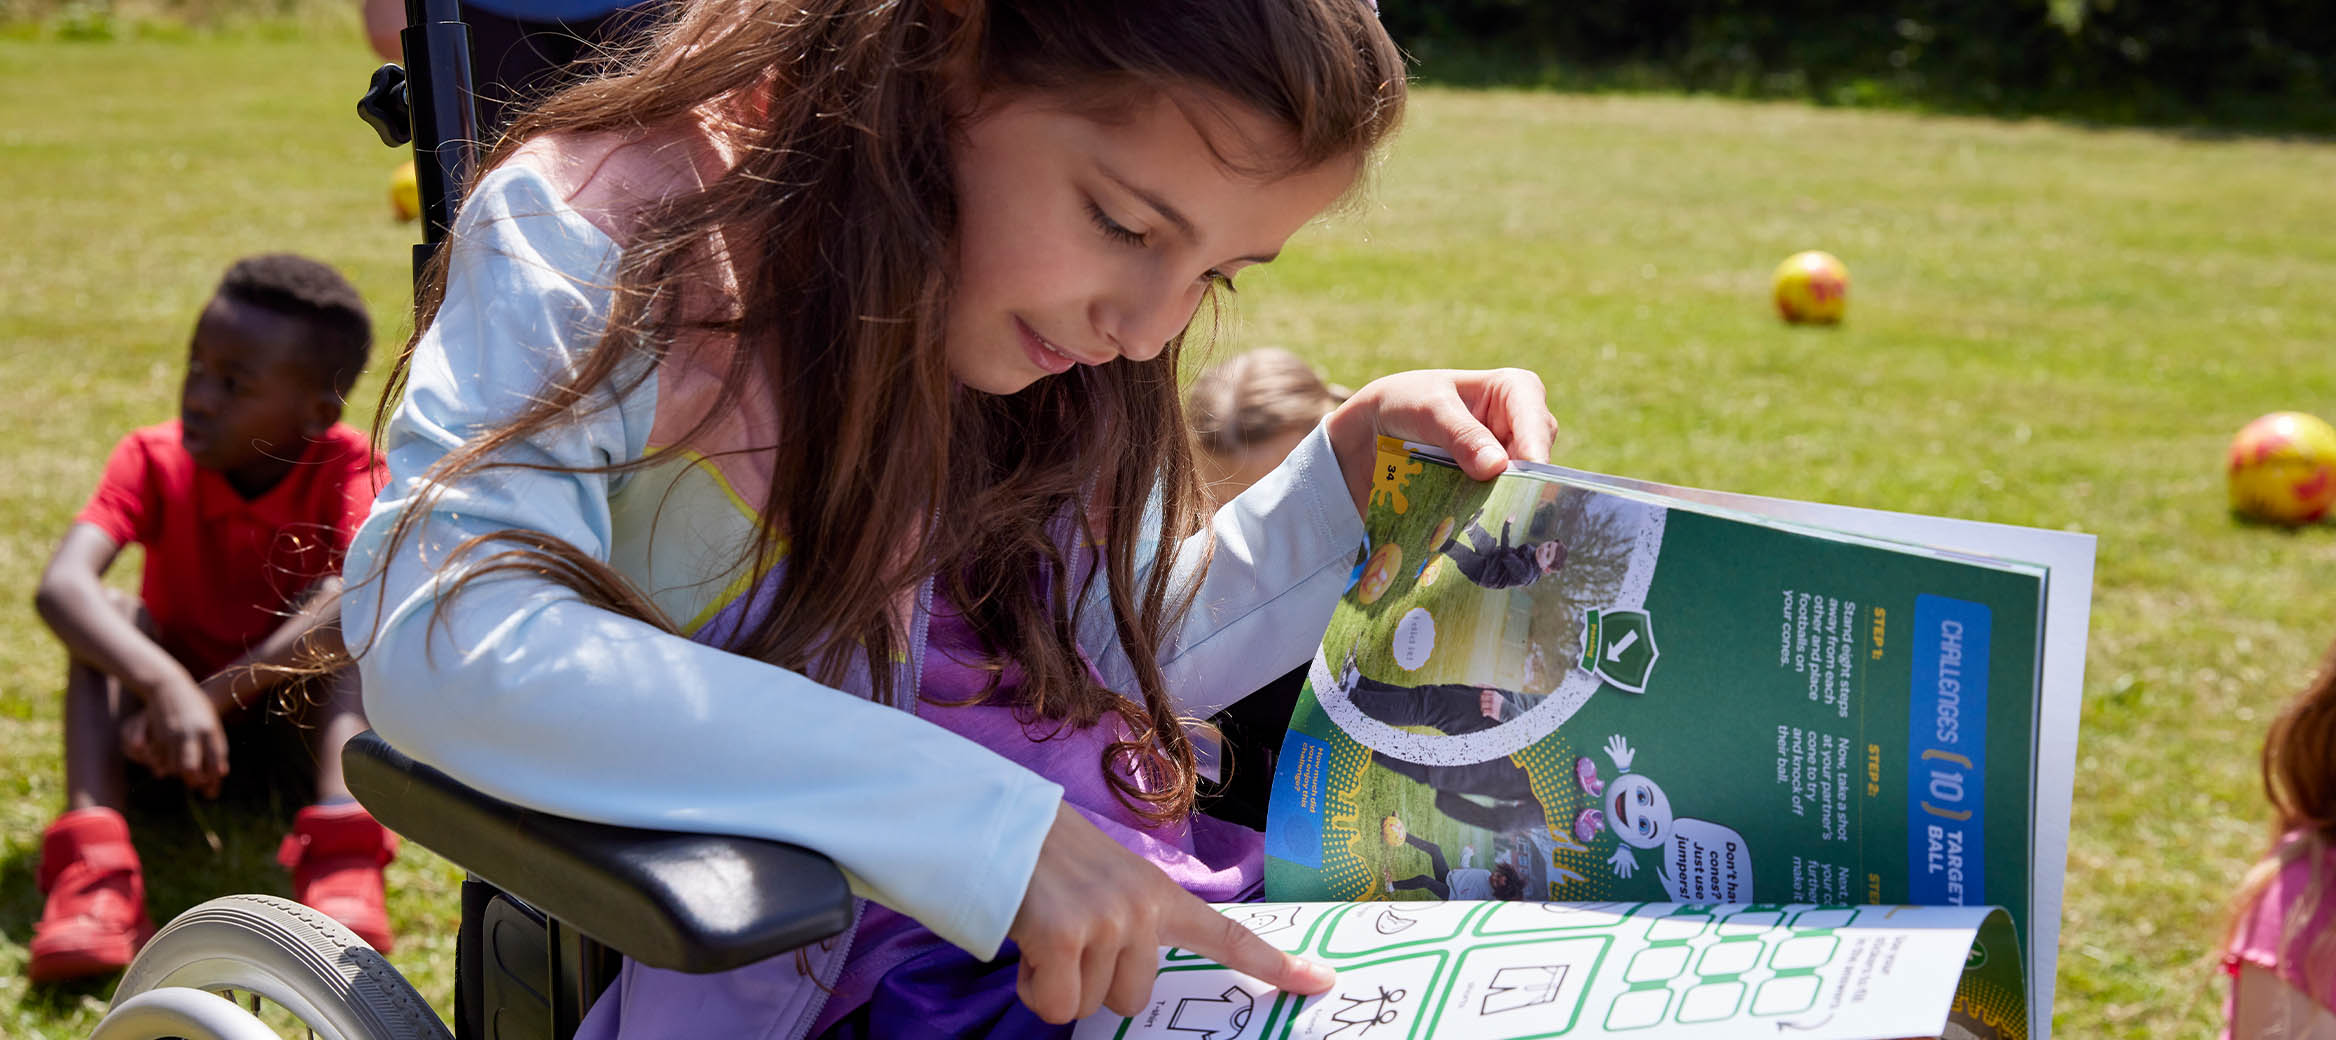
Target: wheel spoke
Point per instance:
(252, 1001)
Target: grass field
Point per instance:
(2049, 325)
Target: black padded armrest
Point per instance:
(687, 902)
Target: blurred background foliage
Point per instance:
(2247, 65)
(2241, 64)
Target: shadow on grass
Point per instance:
(193, 849)
(2318, 529)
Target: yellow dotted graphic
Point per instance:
(1345, 870)
(2000, 1012)
(1550, 764)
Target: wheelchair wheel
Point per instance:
(293, 967)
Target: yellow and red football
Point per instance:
(405, 192)
(1812, 288)
(2283, 469)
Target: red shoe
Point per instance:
(335, 854)
(95, 917)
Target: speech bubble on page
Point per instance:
(1415, 638)
(1706, 862)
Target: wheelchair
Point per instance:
(549, 904)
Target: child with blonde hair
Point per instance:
(1250, 411)
(2281, 950)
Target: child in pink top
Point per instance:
(2281, 952)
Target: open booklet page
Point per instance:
(1510, 970)
(1544, 689)
(2068, 614)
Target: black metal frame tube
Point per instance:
(438, 89)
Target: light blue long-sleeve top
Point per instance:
(519, 688)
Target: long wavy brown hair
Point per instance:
(2299, 777)
(839, 219)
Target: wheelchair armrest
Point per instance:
(686, 902)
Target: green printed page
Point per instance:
(1540, 690)
(1513, 970)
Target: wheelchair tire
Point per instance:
(297, 958)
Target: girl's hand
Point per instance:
(1483, 419)
(1096, 915)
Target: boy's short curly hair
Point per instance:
(295, 286)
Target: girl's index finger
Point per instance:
(1201, 930)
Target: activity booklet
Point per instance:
(1583, 756)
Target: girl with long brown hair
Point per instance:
(2281, 951)
(792, 448)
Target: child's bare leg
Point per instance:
(95, 705)
(93, 740)
(337, 717)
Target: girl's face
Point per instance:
(1084, 240)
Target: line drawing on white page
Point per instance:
(1221, 1017)
(1523, 986)
(1365, 1012)
(1389, 922)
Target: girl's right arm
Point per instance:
(524, 691)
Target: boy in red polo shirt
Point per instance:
(244, 504)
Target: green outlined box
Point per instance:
(1750, 922)
(1289, 927)
(1824, 917)
(1787, 994)
(1802, 952)
(1194, 1000)
(1710, 1002)
(1523, 917)
(1391, 998)
(1521, 990)
(1638, 1009)
(1678, 927)
(1658, 963)
(1729, 958)
(1373, 929)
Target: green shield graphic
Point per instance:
(1618, 646)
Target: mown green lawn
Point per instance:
(2049, 325)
